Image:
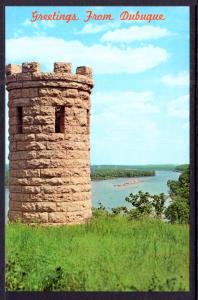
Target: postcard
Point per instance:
(98, 142)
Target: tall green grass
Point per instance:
(108, 254)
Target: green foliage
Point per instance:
(60, 280)
(100, 211)
(143, 205)
(141, 202)
(110, 253)
(178, 212)
(181, 187)
(108, 173)
(119, 210)
(165, 167)
(179, 190)
(181, 168)
(159, 204)
(14, 273)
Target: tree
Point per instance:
(158, 204)
(179, 191)
(141, 202)
(178, 212)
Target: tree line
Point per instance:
(108, 173)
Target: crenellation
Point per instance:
(84, 71)
(49, 143)
(61, 67)
(13, 69)
(30, 67)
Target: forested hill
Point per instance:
(108, 173)
(151, 167)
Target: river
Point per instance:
(104, 191)
(110, 196)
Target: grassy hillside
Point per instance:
(109, 254)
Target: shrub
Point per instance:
(178, 212)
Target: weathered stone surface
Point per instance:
(55, 172)
(24, 173)
(18, 165)
(15, 93)
(50, 197)
(23, 76)
(20, 146)
(12, 69)
(24, 137)
(61, 67)
(70, 93)
(13, 146)
(55, 137)
(29, 92)
(45, 206)
(37, 163)
(48, 128)
(19, 197)
(51, 154)
(23, 155)
(49, 144)
(15, 188)
(30, 189)
(39, 120)
(32, 128)
(14, 215)
(81, 196)
(14, 85)
(30, 67)
(39, 111)
(84, 71)
(21, 102)
(73, 206)
(36, 217)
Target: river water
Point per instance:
(104, 191)
(110, 196)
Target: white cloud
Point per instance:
(180, 79)
(92, 28)
(27, 22)
(36, 25)
(179, 107)
(122, 123)
(135, 33)
(121, 113)
(127, 102)
(18, 32)
(104, 59)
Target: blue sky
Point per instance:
(140, 102)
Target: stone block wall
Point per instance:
(49, 134)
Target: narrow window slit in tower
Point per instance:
(20, 119)
(88, 121)
(59, 119)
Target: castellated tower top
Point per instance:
(62, 71)
(49, 133)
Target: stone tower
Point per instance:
(49, 129)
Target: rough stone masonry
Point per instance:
(49, 133)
